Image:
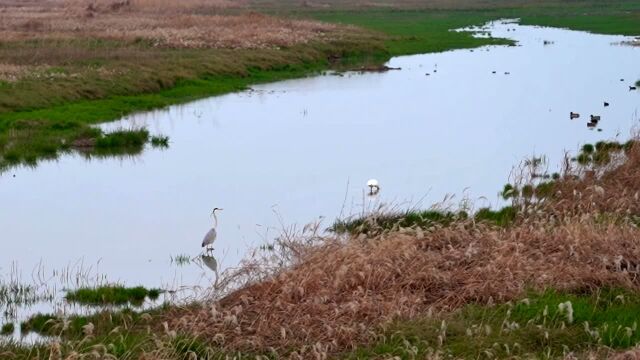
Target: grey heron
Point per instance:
(211, 235)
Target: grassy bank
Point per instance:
(48, 111)
(549, 324)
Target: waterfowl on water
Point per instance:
(606, 104)
(632, 88)
(595, 118)
(573, 115)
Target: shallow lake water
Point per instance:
(296, 151)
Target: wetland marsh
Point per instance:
(301, 151)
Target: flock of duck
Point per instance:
(595, 119)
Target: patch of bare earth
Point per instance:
(337, 293)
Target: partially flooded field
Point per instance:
(286, 153)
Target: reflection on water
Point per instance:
(291, 151)
(210, 262)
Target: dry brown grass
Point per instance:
(334, 293)
(191, 24)
(12, 72)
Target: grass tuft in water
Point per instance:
(112, 295)
(123, 139)
(7, 329)
(160, 141)
(181, 259)
(39, 323)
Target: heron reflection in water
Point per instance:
(211, 262)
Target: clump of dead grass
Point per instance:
(331, 293)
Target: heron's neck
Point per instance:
(215, 220)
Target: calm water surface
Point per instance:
(298, 150)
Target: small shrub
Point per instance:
(502, 217)
(509, 191)
(587, 148)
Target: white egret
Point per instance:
(212, 234)
(374, 186)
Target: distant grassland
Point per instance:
(51, 89)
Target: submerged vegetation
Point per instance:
(28, 141)
(7, 329)
(112, 295)
(160, 141)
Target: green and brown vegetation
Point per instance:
(553, 275)
(67, 64)
(558, 280)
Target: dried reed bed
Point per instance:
(336, 293)
(180, 25)
(612, 188)
(11, 72)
